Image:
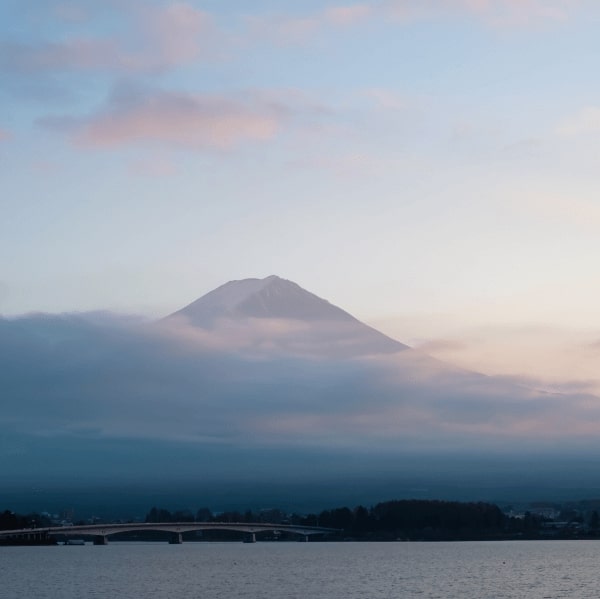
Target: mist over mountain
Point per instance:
(263, 385)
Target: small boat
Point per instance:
(74, 542)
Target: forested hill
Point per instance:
(390, 520)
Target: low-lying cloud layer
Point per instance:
(74, 375)
(93, 401)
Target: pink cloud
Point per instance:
(155, 38)
(5, 135)
(200, 121)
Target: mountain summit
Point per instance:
(272, 297)
(313, 323)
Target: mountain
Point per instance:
(285, 316)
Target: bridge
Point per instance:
(101, 532)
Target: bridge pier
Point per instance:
(100, 540)
(175, 539)
(250, 538)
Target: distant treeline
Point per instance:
(399, 519)
(11, 521)
(390, 520)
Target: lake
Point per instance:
(474, 570)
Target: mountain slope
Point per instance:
(304, 321)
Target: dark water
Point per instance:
(531, 570)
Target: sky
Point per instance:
(430, 166)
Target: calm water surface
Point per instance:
(544, 570)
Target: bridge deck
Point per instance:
(105, 530)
